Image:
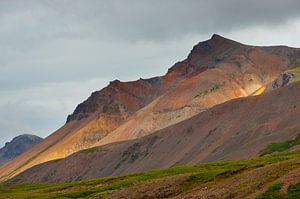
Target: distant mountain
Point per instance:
(215, 71)
(17, 146)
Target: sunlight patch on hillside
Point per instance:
(259, 91)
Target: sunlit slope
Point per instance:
(248, 72)
(259, 91)
(288, 77)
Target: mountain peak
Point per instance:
(210, 52)
(27, 136)
(216, 36)
(214, 43)
(218, 39)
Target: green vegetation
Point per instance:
(294, 191)
(193, 176)
(274, 192)
(280, 146)
(206, 92)
(296, 72)
(88, 150)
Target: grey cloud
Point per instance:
(139, 19)
(162, 20)
(55, 52)
(41, 108)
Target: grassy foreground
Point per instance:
(208, 178)
(274, 191)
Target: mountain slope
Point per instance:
(17, 146)
(216, 70)
(237, 129)
(234, 70)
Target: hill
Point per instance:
(236, 129)
(215, 71)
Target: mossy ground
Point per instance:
(281, 146)
(211, 90)
(89, 150)
(274, 192)
(296, 72)
(193, 176)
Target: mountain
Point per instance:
(237, 129)
(17, 146)
(215, 71)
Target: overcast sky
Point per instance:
(54, 53)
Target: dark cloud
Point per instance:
(55, 52)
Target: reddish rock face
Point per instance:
(121, 98)
(216, 70)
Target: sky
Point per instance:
(54, 53)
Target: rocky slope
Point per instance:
(286, 78)
(237, 129)
(216, 70)
(17, 146)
